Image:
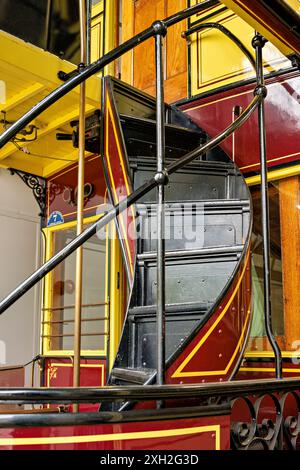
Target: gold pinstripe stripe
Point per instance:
(28, 441)
(179, 373)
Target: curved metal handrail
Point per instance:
(69, 395)
(158, 28)
(224, 30)
(124, 204)
(98, 65)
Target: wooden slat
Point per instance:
(138, 66)
(127, 33)
(290, 244)
(176, 46)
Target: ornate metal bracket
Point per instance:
(38, 186)
(273, 422)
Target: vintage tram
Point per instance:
(168, 185)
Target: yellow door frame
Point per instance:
(114, 284)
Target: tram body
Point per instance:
(215, 330)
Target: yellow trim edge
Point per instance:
(178, 372)
(275, 175)
(23, 441)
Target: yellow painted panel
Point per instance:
(294, 4)
(216, 61)
(97, 27)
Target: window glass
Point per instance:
(25, 20)
(258, 327)
(284, 201)
(30, 20)
(94, 299)
(65, 30)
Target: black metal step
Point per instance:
(202, 254)
(207, 199)
(174, 309)
(140, 137)
(193, 183)
(142, 161)
(132, 376)
(194, 225)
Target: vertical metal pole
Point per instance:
(48, 24)
(258, 43)
(88, 30)
(80, 201)
(160, 177)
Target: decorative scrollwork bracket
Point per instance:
(270, 424)
(38, 186)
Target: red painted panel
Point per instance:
(205, 433)
(61, 188)
(214, 113)
(12, 378)
(271, 22)
(59, 373)
(118, 176)
(213, 354)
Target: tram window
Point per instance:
(284, 202)
(258, 327)
(62, 295)
(25, 20)
(57, 33)
(64, 30)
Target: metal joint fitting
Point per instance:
(258, 41)
(159, 28)
(162, 177)
(261, 90)
(81, 67)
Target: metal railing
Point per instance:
(157, 30)
(280, 430)
(70, 395)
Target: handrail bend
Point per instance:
(124, 204)
(224, 30)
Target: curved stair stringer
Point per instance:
(208, 312)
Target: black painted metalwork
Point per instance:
(271, 409)
(270, 426)
(224, 30)
(208, 196)
(123, 205)
(261, 90)
(203, 391)
(77, 419)
(48, 24)
(38, 186)
(286, 13)
(160, 215)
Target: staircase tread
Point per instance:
(212, 250)
(132, 375)
(209, 164)
(203, 202)
(188, 306)
(152, 122)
